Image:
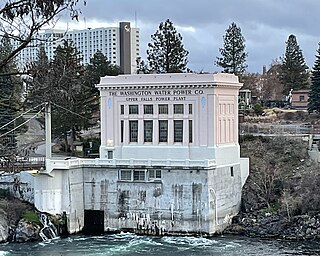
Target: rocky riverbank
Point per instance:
(21, 222)
(266, 225)
(280, 198)
(13, 227)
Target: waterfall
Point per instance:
(49, 231)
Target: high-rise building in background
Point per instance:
(121, 45)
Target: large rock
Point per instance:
(4, 225)
(26, 232)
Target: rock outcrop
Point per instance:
(4, 225)
(26, 232)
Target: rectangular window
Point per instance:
(139, 175)
(121, 109)
(231, 171)
(163, 130)
(301, 98)
(190, 109)
(148, 109)
(125, 175)
(178, 130)
(163, 109)
(121, 130)
(110, 154)
(133, 127)
(190, 132)
(148, 130)
(133, 109)
(154, 174)
(158, 174)
(178, 109)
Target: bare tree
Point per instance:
(21, 20)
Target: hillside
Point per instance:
(280, 197)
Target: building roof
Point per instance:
(169, 78)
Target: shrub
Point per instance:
(32, 217)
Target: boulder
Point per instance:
(4, 224)
(26, 232)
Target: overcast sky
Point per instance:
(265, 24)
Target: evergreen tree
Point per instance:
(166, 53)
(72, 92)
(293, 74)
(314, 94)
(233, 55)
(142, 67)
(100, 66)
(65, 83)
(42, 89)
(10, 91)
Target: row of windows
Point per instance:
(139, 175)
(148, 131)
(145, 175)
(162, 109)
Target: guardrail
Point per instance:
(284, 129)
(83, 162)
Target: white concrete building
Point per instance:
(120, 44)
(169, 159)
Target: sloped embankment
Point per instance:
(280, 197)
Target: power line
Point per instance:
(2, 135)
(70, 111)
(20, 116)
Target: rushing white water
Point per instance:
(130, 244)
(48, 231)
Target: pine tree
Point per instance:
(65, 83)
(100, 66)
(233, 55)
(314, 94)
(42, 89)
(166, 53)
(10, 91)
(293, 73)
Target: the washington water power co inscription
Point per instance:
(160, 95)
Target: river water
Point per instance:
(130, 244)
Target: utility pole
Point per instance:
(48, 130)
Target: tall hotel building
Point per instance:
(121, 45)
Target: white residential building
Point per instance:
(120, 44)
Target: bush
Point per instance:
(258, 109)
(32, 217)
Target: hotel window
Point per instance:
(139, 175)
(121, 109)
(121, 132)
(125, 175)
(154, 174)
(178, 109)
(133, 109)
(133, 126)
(190, 109)
(148, 130)
(163, 109)
(178, 130)
(163, 131)
(148, 109)
(190, 131)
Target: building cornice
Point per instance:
(168, 81)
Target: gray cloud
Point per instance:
(266, 25)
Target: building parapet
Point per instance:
(52, 164)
